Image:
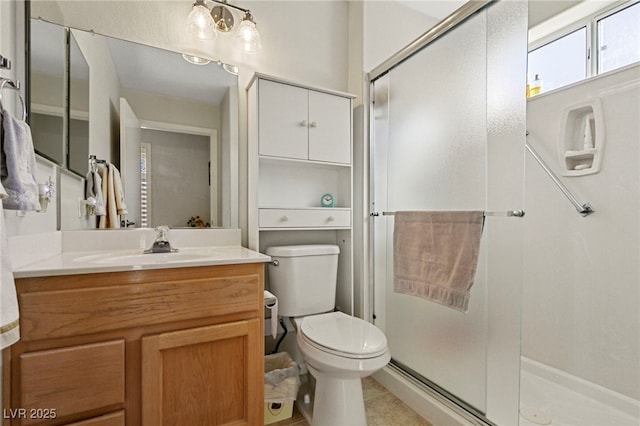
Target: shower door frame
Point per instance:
(500, 405)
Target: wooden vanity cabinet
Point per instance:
(172, 347)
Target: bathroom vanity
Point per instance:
(156, 344)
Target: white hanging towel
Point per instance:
(93, 189)
(9, 313)
(18, 165)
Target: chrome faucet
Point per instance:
(161, 244)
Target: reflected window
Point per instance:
(561, 62)
(619, 39)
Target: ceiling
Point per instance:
(149, 69)
(139, 67)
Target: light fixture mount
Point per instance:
(204, 23)
(222, 17)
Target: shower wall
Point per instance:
(581, 291)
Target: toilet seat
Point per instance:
(340, 334)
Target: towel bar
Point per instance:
(508, 213)
(10, 84)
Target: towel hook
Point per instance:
(14, 86)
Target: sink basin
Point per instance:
(139, 258)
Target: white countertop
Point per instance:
(89, 262)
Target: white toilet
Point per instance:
(339, 350)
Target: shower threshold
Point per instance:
(471, 414)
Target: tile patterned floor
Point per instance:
(383, 409)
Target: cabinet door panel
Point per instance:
(204, 376)
(329, 128)
(283, 121)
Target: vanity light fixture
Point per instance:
(196, 60)
(231, 69)
(205, 23)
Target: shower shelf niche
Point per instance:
(582, 139)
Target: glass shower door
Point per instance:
(448, 129)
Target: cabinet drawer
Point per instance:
(72, 380)
(304, 218)
(121, 300)
(112, 419)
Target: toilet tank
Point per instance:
(305, 279)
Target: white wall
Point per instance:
(582, 275)
(179, 175)
(154, 107)
(388, 27)
(104, 98)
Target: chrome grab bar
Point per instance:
(584, 209)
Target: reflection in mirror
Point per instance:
(179, 115)
(168, 125)
(47, 89)
(78, 108)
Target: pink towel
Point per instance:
(435, 255)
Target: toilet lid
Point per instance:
(339, 332)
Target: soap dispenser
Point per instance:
(536, 86)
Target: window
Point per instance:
(561, 55)
(619, 39)
(561, 62)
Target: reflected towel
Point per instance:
(113, 194)
(435, 255)
(18, 165)
(93, 189)
(9, 313)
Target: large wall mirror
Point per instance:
(170, 126)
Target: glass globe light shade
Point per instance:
(195, 60)
(248, 38)
(200, 23)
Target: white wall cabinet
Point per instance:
(300, 148)
(307, 124)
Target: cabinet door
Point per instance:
(329, 128)
(282, 120)
(204, 376)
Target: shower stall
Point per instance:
(556, 296)
(447, 130)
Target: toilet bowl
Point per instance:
(339, 351)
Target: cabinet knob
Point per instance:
(303, 123)
(331, 219)
(313, 124)
(285, 218)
